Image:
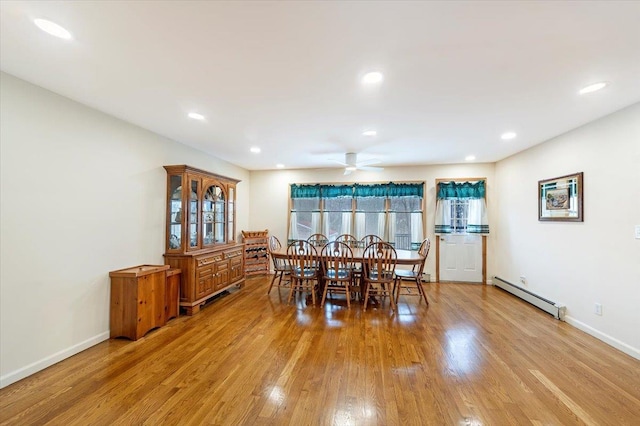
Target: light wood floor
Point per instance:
(475, 356)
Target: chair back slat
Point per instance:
(302, 257)
(351, 241)
(318, 240)
(380, 262)
(337, 258)
(275, 245)
(423, 251)
(367, 240)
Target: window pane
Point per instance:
(374, 213)
(406, 204)
(335, 209)
(307, 204)
(370, 204)
(304, 225)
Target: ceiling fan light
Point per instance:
(351, 168)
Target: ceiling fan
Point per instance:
(352, 164)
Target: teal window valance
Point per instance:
(373, 190)
(305, 191)
(458, 190)
(334, 191)
(390, 189)
(406, 189)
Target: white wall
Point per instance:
(579, 264)
(269, 194)
(83, 194)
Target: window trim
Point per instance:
(387, 203)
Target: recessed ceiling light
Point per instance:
(470, 157)
(369, 133)
(593, 87)
(508, 135)
(280, 166)
(254, 149)
(372, 78)
(52, 28)
(196, 116)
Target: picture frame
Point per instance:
(560, 199)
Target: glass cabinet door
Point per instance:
(194, 242)
(213, 214)
(175, 212)
(230, 214)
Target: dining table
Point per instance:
(404, 257)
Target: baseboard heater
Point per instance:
(546, 305)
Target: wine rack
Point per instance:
(256, 257)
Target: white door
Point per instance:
(461, 258)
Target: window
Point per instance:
(305, 218)
(461, 208)
(393, 211)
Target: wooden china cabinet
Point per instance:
(201, 234)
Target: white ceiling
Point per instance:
(284, 76)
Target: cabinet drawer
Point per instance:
(233, 253)
(210, 259)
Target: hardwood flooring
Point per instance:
(475, 356)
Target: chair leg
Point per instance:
(275, 275)
(422, 292)
(313, 295)
(294, 285)
(366, 295)
(324, 294)
(348, 294)
(388, 291)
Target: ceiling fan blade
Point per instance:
(368, 162)
(342, 163)
(347, 172)
(371, 169)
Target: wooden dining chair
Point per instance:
(370, 239)
(280, 266)
(380, 261)
(337, 260)
(302, 258)
(407, 280)
(318, 240)
(351, 241)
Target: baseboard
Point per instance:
(33, 368)
(612, 341)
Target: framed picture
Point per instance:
(560, 199)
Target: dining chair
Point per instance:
(411, 279)
(370, 239)
(302, 258)
(338, 274)
(380, 261)
(351, 241)
(280, 266)
(318, 240)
